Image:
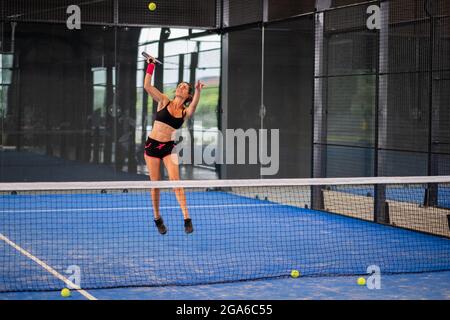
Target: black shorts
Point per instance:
(156, 149)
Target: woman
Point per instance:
(170, 116)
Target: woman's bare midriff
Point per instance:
(162, 132)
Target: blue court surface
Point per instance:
(112, 239)
(411, 194)
(423, 286)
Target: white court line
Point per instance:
(55, 273)
(137, 208)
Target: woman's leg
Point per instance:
(171, 164)
(153, 166)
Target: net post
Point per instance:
(317, 202)
(381, 206)
(431, 195)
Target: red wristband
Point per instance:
(150, 68)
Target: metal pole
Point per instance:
(431, 194)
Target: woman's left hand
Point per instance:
(199, 86)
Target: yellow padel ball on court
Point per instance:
(152, 6)
(361, 281)
(295, 274)
(65, 292)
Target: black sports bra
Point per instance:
(164, 116)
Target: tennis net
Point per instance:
(102, 235)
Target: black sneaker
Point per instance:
(160, 225)
(188, 228)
